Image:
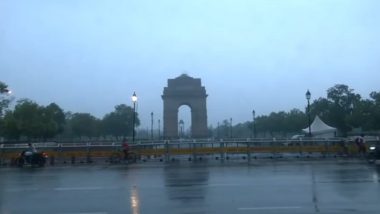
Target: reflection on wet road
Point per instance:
(193, 188)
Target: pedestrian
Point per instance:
(125, 146)
(29, 152)
(31, 149)
(360, 143)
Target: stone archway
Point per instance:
(185, 90)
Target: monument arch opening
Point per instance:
(185, 90)
(184, 121)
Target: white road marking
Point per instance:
(29, 189)
(221, 184)
(267, 208)
(22, 189)
(87, 213)
(83, 188)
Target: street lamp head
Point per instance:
(5, 91)
(308, 95)
(134, 97)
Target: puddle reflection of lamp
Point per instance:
(135, 203)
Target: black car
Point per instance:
(374, 154)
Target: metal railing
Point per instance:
(191, 147)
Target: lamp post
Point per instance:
(151, 126)
(217, 131)
(5, 91)
(253, 123)
(159, 129)
(231, 127)
(181, 127)
(308, 96)
(134, 100)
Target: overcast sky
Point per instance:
(88, 55)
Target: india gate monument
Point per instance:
(185, 90)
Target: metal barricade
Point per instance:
(192, 149)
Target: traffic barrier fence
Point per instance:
(86, 151)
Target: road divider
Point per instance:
(86, 152)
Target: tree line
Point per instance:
(30, 120)
(342, 108)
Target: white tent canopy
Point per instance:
(320, 129)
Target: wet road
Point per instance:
(193, 188)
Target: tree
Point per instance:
(375, 111)
(4, 99)
(223, 130)
(120, 121)
(341, 100)
(296, 120)
(281, 123)
(55, 113)
(84, 124)
(341, 95)
(53, 119)
(342, 108)
(346, 110)
(242, 130)
(33, 121)
(3, 88)
(376, 97)
(10, 127)
(28, 116)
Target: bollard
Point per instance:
(248, 151)
(1, 154)
(167, 155)
(13, 162)
(88, 158)
(193, 150)
(59, 154)
(222, 154)
(52, 160)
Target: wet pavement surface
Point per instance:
(193, 188)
